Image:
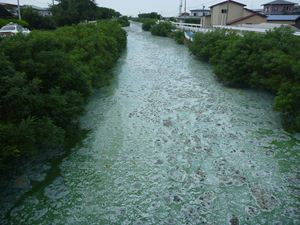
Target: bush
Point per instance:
(162, 29)
(265, 61)
(147, 24)
(3, 22)
(152, 15)
(45, 79)
(36, 21)
(178, 37)
(123, 21)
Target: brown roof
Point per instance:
(230, 1)
(246, 17)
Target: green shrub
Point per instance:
(123, 21)
(266, 61)
(23, 23)
(147, 24)
(152, 15)
(178, 37)
(45, 79)
(36, 21)
(162, 29)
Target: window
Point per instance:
(224, 11)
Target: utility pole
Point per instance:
(203, 16)
(227, 12)
(19, 10)
(52, 2)
(180, 8)
(185, 6)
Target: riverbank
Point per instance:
(261, 61)
(46, 78)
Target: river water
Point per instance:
(170, 145)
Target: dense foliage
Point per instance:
(107, 13)
(4, 22)
(36, 21)
(193, 21)
(162, 29)
(68, 12)
(45, 78)
(178, 36)
(147, 24)
(152, 15)
(268, 61)
(123, 21)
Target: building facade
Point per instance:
(233, 13)
(11, 8)
(279, 7)
(200, 12)
(39, 10)
(4, 14)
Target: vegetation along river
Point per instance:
(169, 144)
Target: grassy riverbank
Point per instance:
(45, 79)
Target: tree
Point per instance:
(152, 15)
(162, 29)
(45, 80)
(148, 24)
(36, 21)
(68, 12)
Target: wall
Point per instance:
(278, 9)
(252, 20)
(235, 12)
(206, 21)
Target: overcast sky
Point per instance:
(164, 7)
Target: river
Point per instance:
(169, 144)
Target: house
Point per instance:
(230, 12)
(199, 16)
(4, 14)
(293, 20)
(11, 8)
(279, 7)
(296, 10)
(200, 12)
(39, 10)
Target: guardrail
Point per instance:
(191, 27)
(199, 28)
(258, 30)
